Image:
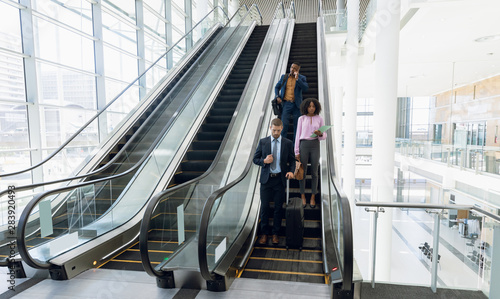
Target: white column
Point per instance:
(350, 100)
(384, 129)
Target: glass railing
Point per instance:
(279, 12)
(335, 20)
(476, 157)
(123, 160)
(336, 214)
(135, 182)
(172, 219)
(67, 160)
(437, 250)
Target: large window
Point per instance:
(62, 61)
(364, 123)
(413, 118)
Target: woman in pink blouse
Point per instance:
(307, 147)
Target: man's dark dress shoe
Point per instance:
(263, 239)
(276, 239)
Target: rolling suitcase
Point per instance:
(294, 220)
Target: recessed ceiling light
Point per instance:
(417, 76)
(489, 54)
(489, 38)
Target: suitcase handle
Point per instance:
(287, 191)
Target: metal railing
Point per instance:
(431, 253)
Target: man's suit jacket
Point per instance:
(300, 87)
(287, 161)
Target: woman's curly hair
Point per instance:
(305, 104)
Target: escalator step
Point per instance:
(214, 127)
(230, 97)
(219, 119)
(186, 176)
(196, 165)
(211, 136)
(205, 145)
(222, 112)
(226, 105)
(202, 155)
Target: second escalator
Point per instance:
(203, 149)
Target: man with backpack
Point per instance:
(289, 91)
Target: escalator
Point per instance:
(276, 262)
(204, 146)
(172, 218)
(96, 199)
(327, 254)
(92, 231)
(116, 159)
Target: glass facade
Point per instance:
(51, 66)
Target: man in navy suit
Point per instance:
(289, 90)
(276, 157)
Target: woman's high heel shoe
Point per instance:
(312, 205)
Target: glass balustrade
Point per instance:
(455, 243)
(478, 158)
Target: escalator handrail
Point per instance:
(156, 199)
(258, 10)
(292, 8)
(207, 208)
(110, 103)
(21, 229)
(280, 4)
(347, 265)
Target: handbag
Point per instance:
(299, 171)
(277, 108)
